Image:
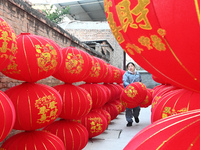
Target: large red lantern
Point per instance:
(8, 44)
(37, 58)
(77, 102)
(155, 34)
(98, 94)
(7, 116)
(75, 66)
(36, 105)
(175, 102)
(33, 140)
(95, 123)
(73, 134)
(133, 94)
(180, 131)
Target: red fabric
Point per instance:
(31, 140)
(36, 105)
(77, 102)
(156, 36)
(75, 66)
(36, 58)
(8, 44)
(73, 134)
(7, 116)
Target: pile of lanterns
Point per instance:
(60, 117)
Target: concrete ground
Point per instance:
(117, 135)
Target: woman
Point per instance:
(129, 77)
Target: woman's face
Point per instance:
(131, 67)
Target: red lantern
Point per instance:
(119, 105)
(73, 134)
(175, 132)
(36, 58)
(77, 102)
(159, 92)
(157, 39)
(32, 140)
(148, 100)
(7, 116)
(95, 123)
(105, 113)
(8, 44)
(98, 94)
(36, 105)
(175, 102)
(156, 79)
(133, 94)
(111, 109)
(115, 93)
(97, 72)
(75, 66)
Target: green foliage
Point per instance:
(57, 15)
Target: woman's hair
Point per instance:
(129, 64)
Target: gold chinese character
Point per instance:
(115, 29)
(141, 11)
(167, 110)
(131, 47)
(145, 41)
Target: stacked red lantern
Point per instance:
(133, 94)
(75, 66)
(98, 94)
(31, 140)
(7, 116)
(73, 134)
(175, 102)
(77, 102)
(37, 58)
(112, 109)
(180, 131)
(97, 71)
(105, 113)
(36, 105)
(95, 123)
(156, 38)
(8, 44)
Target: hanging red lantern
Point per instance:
(77, 102)
(75, 66)
(73, 134)
(97, 72)
(8, 44)
(36, 58)
(111, 109)
(148, 100)
(98, 94)
(157, 39)
(175, 102)
(133, 94)
(36, 105)
(32, 140)
(175, 132)
(95, 123)
(7, 116)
